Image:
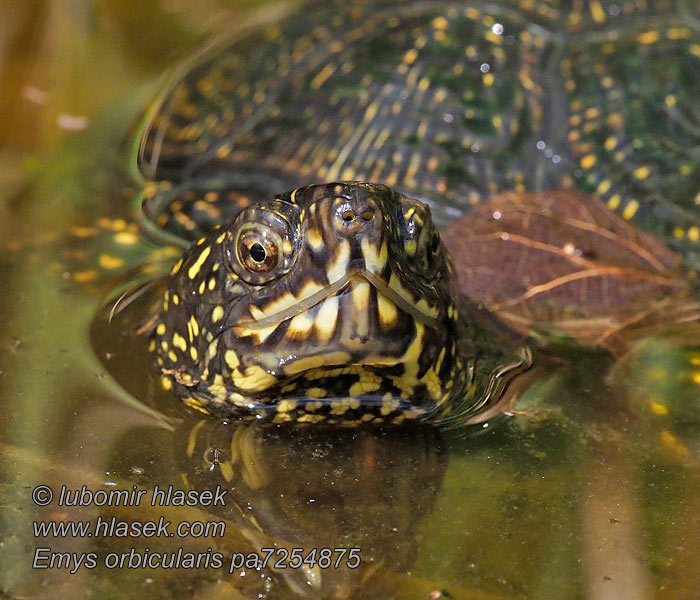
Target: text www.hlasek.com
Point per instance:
(114, 527)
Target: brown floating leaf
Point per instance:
(560, 261)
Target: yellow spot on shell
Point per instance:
(588, 161)
(160, 330)
(658, 408)
(179, 342)
(217, 314)
(440, 23)
(108, 261)
(194, 269)
(597, 11)
(642, 172)
(85, 276)
(223, 151)
(679, 33)
(603, 186)
(322, 76)
(648, 37)
(410, 56)
(166, 383)
(194, 325)
(630, 210)
(694, 233)
(211, 353)
(126, 238)
(611, 144)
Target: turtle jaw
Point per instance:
(359, 320)
(391, 290)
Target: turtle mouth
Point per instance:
(359, 319)
(392, 291)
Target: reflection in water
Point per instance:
(310, 487)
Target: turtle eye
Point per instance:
(263, 242)
(258, 250)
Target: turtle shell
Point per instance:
(444, 102)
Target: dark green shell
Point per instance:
(444, 102)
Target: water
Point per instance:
(591, 490)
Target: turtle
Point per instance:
(307, 167)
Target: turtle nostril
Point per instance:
(368, 215)
(348, 216)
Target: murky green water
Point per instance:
(592, 491)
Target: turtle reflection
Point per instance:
(310, 487)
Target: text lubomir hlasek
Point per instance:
(159, 497)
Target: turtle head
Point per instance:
(335, 296)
